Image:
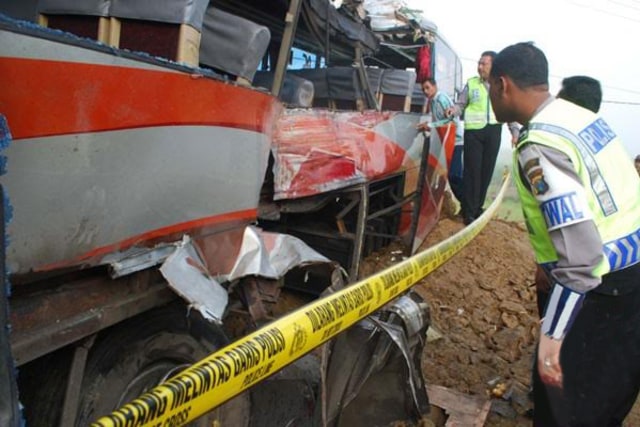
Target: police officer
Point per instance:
(581, 199)
(482, 137)
(586, 92)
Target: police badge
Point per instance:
(534, 172)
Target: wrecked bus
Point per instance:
(177, 176)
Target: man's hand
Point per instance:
(424, 127)
(549, 361)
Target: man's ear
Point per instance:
(500, 85)
(497, 85)
(507, 86)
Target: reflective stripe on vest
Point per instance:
(478, 112)
(613, 186)
(598, 185)
(624, 251)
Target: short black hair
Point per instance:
(524, 63)
(584, 91)
(430, 80)
(490, 53)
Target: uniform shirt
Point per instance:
(577, 244)
(463, 101)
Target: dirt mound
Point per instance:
(484, 306)
(483, 316)
(484, 321)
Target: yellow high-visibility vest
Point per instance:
(612, 185)
(478, 112)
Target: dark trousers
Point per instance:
(600, 359)
(455, 172)
(481, 148)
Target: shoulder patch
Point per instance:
(536, 177)
(538, 185)
(531, 163)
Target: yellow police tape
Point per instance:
(243, 363)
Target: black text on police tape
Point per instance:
(329, 311)
(200, 379)
(397, 275)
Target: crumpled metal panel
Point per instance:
(271, 255)
(373, 374)
(264, 254)
(188, 276)
(136, 259)
(437, 178)
(319, 150)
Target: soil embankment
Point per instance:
(484, 315)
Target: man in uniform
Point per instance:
(581, 199)
(586, 92)
(482, 137)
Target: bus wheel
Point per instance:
(133, 357)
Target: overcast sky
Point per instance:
(599, 38)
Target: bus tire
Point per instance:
(138, 354)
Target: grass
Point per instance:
(510, 209)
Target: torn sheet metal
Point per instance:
(414, 375)
(136, 259)
(373, 375)
(317, 151)
(271, 255)
(441, 143)
(188, 276)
